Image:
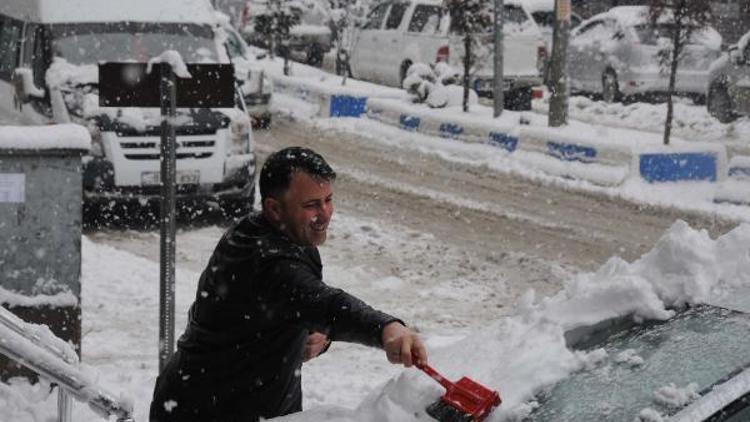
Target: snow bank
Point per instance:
(12, 299)
(524, 353)
(66, 136)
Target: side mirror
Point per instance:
(23, 82)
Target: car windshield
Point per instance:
(702, 346)
(129, 41)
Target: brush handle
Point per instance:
(445, 382)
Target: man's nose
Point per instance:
(326, 211)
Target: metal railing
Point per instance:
(35, 347)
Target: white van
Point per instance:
(398, 33)
(49, 50)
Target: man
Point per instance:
(262, 308)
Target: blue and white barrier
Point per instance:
(698, 162)
(597, 157)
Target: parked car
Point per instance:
(692, 367)
(729, 83)
(309, 40)
(256, 87)
(49, 75)
(400, 33)
(614, 54)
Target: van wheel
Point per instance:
(402, 73)
(610, 87)
(518, 99)
(719, 103)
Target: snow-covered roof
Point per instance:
(54, 137)
(64, 11)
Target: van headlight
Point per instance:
(240, 130)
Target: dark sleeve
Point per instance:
(296, 294)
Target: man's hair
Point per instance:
(281, 165)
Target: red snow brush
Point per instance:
(463, 401)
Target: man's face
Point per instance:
(305, 209)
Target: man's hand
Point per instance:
(315, 344)
(402, 345)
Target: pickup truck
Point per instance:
(398, 33)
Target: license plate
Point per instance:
(181, 178)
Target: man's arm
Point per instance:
(297, 295)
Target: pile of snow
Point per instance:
(691, 122)
(522, 354)
(435, 85)
(66, 136)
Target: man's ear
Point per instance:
(272, 209)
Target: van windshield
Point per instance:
(89, 43)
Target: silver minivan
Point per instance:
(614, 54)
(729, 83)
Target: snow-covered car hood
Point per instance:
(527, 352)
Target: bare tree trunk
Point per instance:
(498, 96)
(675, 59)
(467, 67)
(558, 104)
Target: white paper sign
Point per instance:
(12, 188)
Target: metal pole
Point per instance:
(497, 86)
(168, 93)
(558, 104)
(64, 405)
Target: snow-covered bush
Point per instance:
(435, 85)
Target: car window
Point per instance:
(544, 18)
(396, 15)
(515, 19)
(592, 33)
(425, 19)
(694, 350)
(234, 45)
(375, 18)
(513, 14)
(10, 38)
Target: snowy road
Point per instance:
(480, 210)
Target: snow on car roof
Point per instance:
(69, 11)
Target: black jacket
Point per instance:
(241, 354)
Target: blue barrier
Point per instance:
(450, 130)
(571, 152)
(678, 166)
(410, 123)
(347, 106)
(504, 141)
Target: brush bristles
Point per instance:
(444, 412)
